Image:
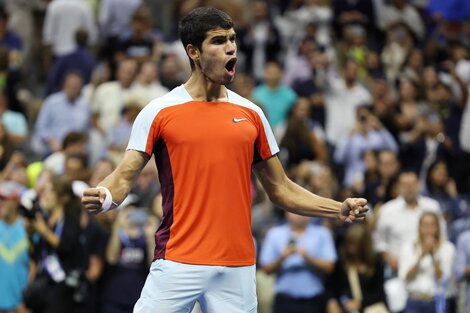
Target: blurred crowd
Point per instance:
(367, 98)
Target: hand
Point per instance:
(93, 199)
(352, 305)
(428, 245)
(39, 225)
(451, 188)
(353, 209)
(288, 250)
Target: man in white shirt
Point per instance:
(343, 96)
(398, 219)
(147, 84)
(63, 19)
(111, 96)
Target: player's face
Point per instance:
(219, 56)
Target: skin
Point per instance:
(207, 83)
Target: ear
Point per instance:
(193, 52)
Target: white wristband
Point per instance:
(108, 201)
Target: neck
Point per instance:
(412, 203)
(298, 229)
(349, 83)
(201, 89)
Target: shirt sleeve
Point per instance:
(265, 145)
(145, 131)
(461, 260)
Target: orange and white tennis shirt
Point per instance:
(204, 153)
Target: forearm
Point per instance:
(51, 238)
(322, 265)
(298, 200)
(274, 266)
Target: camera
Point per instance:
(29, 204)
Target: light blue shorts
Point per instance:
(173, 287)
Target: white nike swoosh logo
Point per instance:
(238, 120)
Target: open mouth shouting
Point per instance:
(230, 66)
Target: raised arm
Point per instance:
(292, 197)
(119, 182)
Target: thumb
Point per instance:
(102, 196)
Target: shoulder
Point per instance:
(174, 97)
(429, 203)
(463, 237)
(236, 99)
(53, 98)
(390, 206)
(277, 232)
(320, 231)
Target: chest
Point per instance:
(209, 126)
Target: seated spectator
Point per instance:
(359, 272)
(118, 135)
(61, 113)
(147, 84)
(398, 219)
(139, 44)
(110, 97)
(74, 142)
(425, 264)
(301, 254)
(8, 39)
(303, 138)
(80, 60)
(368, 134)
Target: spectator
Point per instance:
(276, 98)
(425, 264)
(61, 113)
(59, 253)
(9, 39)
(359, 272)
(260, 41)
(368, 134)
(14, 259)
(118, 135)
(73, 143)
(63, 19)
(343, 96)
(111, 96)
(303, 138)
(79, 60)
(300, 254)
(147, 84)
(398, 219)
(462, 264)
(129, 253)
(139, 44)
(399, 11)
(114, 20)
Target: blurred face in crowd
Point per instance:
(439, 175)
(102, 169)
(370, 161)
(73, 86)
(430, 76)
(126, 72)
(415, 59)
(272, 74)
(409, 186)
(301, 109)
(407, 90)
(148, 72)
(429, 226)
(8, 207)
(350, 72)
(388, 164)
(259, 10)
(49, 199)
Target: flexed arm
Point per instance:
(118, 183)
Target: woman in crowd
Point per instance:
(359, 272)
(58, 251)
(426, 268)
